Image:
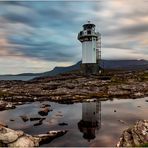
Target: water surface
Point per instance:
(89, 124)
(24, 78)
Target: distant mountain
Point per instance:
(125, 64)
(58, 70)
(106, 64)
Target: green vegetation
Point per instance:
(2, 93)
(143, 145)
(144, 76)
(5, 94)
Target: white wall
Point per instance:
(89, 112)
(89, 52)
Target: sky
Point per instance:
(36, 36)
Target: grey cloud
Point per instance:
(26, 34)
(49, 53)
(129, 30)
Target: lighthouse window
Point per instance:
(81, 32)
(89, 32)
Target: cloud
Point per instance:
(47, 31)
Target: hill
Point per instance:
(106, 64)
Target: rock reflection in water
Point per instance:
(91, 119)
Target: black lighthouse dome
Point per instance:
(88, 26)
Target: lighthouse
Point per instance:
(90, 123)
(91, 48)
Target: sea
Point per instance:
(24, 78)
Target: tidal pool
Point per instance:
(89, 124)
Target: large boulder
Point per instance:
(7, 135)
(136, 135)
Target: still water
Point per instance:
(89, 123)
(24, 78)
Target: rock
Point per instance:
(12, 120)
(115, 111)
(11, 138)
(3, 124)
(35, 98)
(24, 118)
(128, 139)
(35, 118)
(25, 141)
(44, 111)
(37, 124)
(18, 103)
(63, 124)
(74, 87)
(45, 105)
(136, 135)
(6, 105)
(8, 136)
(146, 100)
(138, 94)
(59, 114)
(122, 121)
(2, 106)
(40, 122)
(10, 106)
(46, 138)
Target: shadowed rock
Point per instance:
(35, 118)
(24, 118)
(6, 105)
(40, 122)
(3, 124)
(44, 111)
(63, 124)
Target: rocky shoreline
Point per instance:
(135, 136)
(17, 138)
(70, 88)
(75, 87)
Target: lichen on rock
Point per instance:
(135, 136)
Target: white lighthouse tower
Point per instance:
(91, 119)
(91, 48)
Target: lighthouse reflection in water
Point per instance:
(91, 119)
